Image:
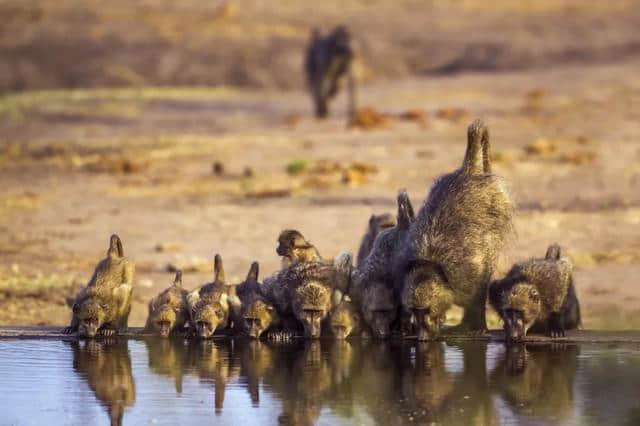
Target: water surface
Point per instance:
(241, 382)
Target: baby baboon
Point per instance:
(103, 306)
(454, 242)
(372, 281)
(308, 290)
(293, 248)
(537, 295)
(168, 311)
(257, 314)
(376, 224)
(344, 320)
(212, 305)
(328, 59)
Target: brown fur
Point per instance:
(293, 248)
(168, 312)
(213, 305)
(345, 320)
(372, 281)
(377, 223)
(536, 291)
(257, 314)
(456, 238)
(103, 306)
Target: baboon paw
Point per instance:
(68, 330)
(107, 332)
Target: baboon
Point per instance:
(168, 311)
(257, 314)
(376, 224)
(168, 357)
(344, 320)
(328, 60)
(453, 244)
(106, 366)
(212, 306)
(293, 248)
(103, 306)
(372, 281)
(538, 295)
(308, 290)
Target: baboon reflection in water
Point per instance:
(394, 382)
(106, 366)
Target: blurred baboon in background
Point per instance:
(327, 61)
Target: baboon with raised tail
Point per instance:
(257, 313)
(454, 243)
(103, 306)
(168, 311)
(537, 295)
(328, 61)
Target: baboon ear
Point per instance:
(253, 272)
(534, 295)
(218, 270)
(553, 252)
(405, 209)
(177, 281)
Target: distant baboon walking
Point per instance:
(537, 295)
(328, 60)
(454, 242)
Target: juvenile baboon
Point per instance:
(344, 320)
(293, 248)
(372, 281)
(212, 306)
(168, 312)
(454, 243)
(308, 290)
(538, 295)
(376, 224)
(257, 314)
(103, 306)
(328, 60)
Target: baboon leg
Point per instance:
(476, 159)
(73, 327)
(351, 86)
(556, 325)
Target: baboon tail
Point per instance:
(476, 159)
(115, 246)
(553, 252)
(253, 272)
(405, 210)
(218, 270)
(177, 281)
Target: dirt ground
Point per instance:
(226, 162)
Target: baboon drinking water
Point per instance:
(212, 306)
(168, 312)
(103, 306)
(454, 242)
(372, 281)
(537, 295)
(257, 314)
(328, 60)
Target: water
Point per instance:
(242, 383)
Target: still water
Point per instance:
(136, 382)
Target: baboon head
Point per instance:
(344, 319)
(379, 309)
(521, 307)
(427, 297)
(294, 247)
(257, 317)
(378, 222)
(91, 316)
(311, 303)
(207, 318)
(163, 320)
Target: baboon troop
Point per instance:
(410, 270)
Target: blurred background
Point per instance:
(186, 128)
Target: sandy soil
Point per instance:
(76, 166)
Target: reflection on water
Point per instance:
(163, 381)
